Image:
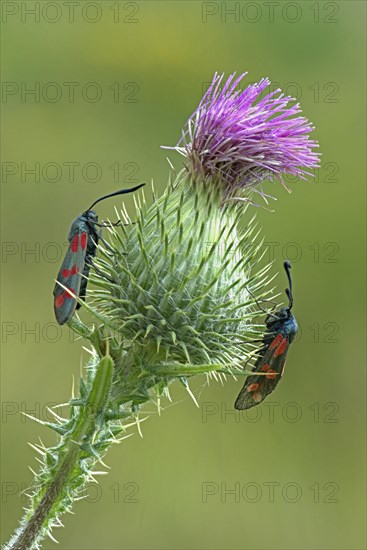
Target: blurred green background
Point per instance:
(295, 466)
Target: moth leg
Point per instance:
(247, 341)
(260, 307)
(108, 224)
(114, 224)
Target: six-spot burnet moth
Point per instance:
(73, 275)
(281, 329)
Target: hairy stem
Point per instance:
(27, 537)
(75, 446)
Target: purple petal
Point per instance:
(241, 139)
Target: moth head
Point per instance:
(282, 315)
(91, 216)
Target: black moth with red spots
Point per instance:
(73, 275)
(281, 329)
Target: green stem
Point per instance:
(29, 535)
(90, 419)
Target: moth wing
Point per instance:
(70, 275)
(272, 364)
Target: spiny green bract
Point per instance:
(175, 284)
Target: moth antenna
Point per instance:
(121, 192)
(289, 291)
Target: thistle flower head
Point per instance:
(176, 284)
(239, 139)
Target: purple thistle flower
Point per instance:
(239, 139)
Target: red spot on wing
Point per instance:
(83, 240)
(67, 293)
(75, 243)
(277, 340)
(65, 273)
(253, 387)
(265, 367)
(281, 348)
(271, 374)
(59, 301)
